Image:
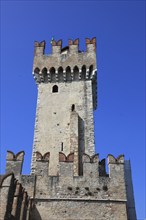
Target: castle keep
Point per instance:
(68, 181)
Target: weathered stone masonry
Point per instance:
(73, 74)
(68, 181)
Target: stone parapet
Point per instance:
(14, 162)
(65, 64)
(95, 184)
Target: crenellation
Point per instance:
(64, 57)
(93, 185)
(89, 185)
(116, 165)
(102, 168)
(14, 162)
(56, 49)
(39, 48)
(74, 48)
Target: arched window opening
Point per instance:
(68, 73)
(37, 74)
(68, 69)
(37, 70)
(90, 70)
(83, 72)
(60, 69)
(60, 74)
(55, 89)
(73, 107)
(52, 73)
(76, 73)
(45, 76)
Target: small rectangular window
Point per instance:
(61, 146)
(73, 107)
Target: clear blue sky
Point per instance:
(119, 27)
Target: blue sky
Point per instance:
(119, 27)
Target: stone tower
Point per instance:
(68, 181)
(66, 99)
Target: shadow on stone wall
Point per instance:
(35, 215)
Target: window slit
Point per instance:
(73, 107)
(61, 146)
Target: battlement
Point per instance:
(94, 180)
(65, 64)
(91, 164)
(14, 162)
(94, 183)
(73, 46)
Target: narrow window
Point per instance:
(55, 89)
(73, 107)
(61, 146)
(45, 75)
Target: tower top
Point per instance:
(64, 64)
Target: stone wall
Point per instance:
(53, 130)
(14, 200)
(95, 195)
(14, 162)
(79, 210)
(66, 82)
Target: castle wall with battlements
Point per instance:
(96, 194)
